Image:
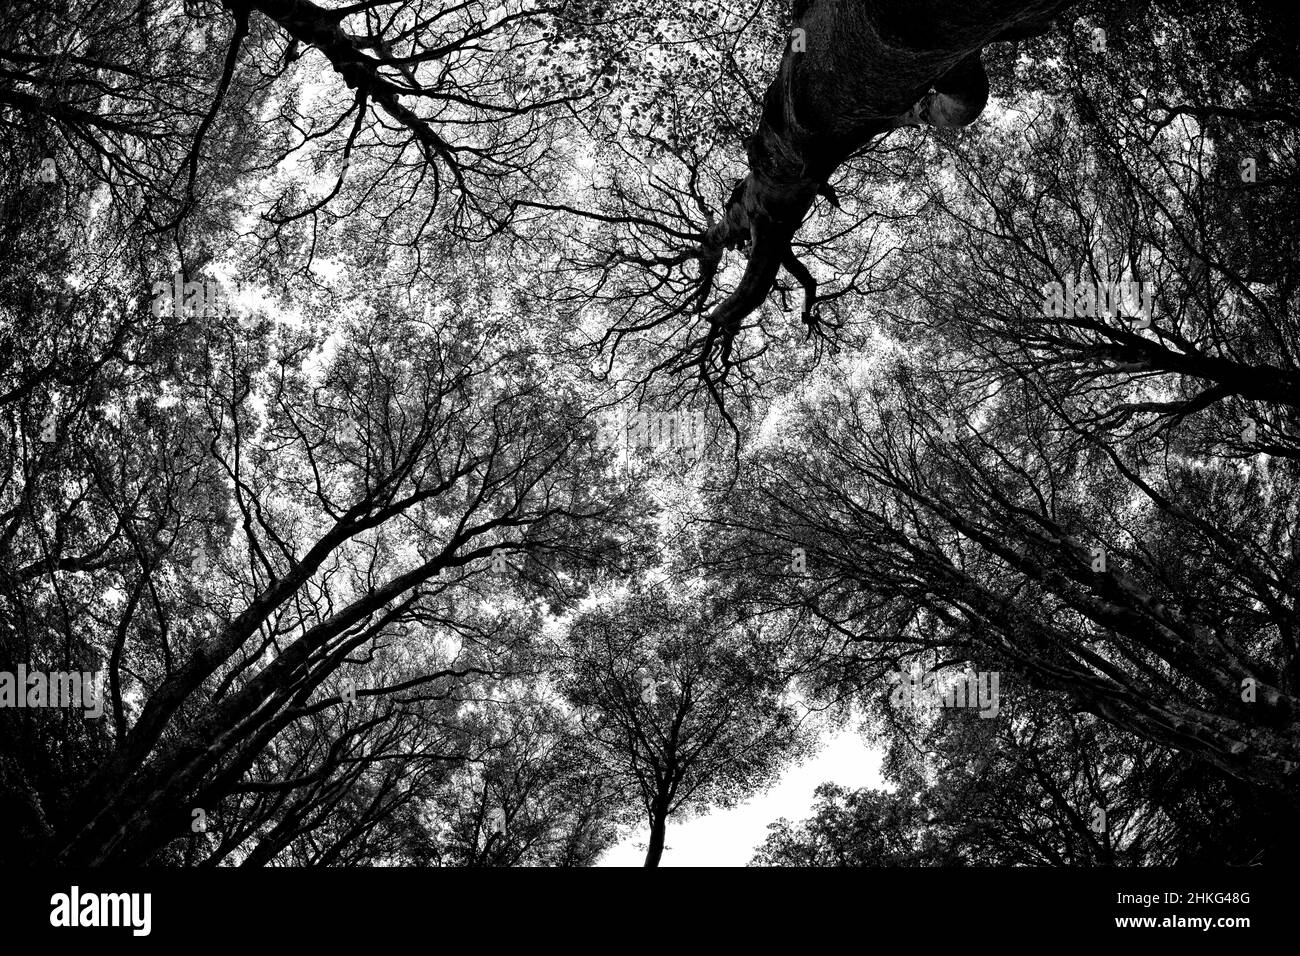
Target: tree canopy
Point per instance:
(478, 433)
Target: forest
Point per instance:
(454, 433)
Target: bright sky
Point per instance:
(729, 837)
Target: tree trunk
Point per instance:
(658, 829)
(852, 71)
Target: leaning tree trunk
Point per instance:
(852, 71)
(658, 830)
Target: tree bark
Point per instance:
(860, 70)
(658, 830)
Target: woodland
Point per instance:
(314, 316)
